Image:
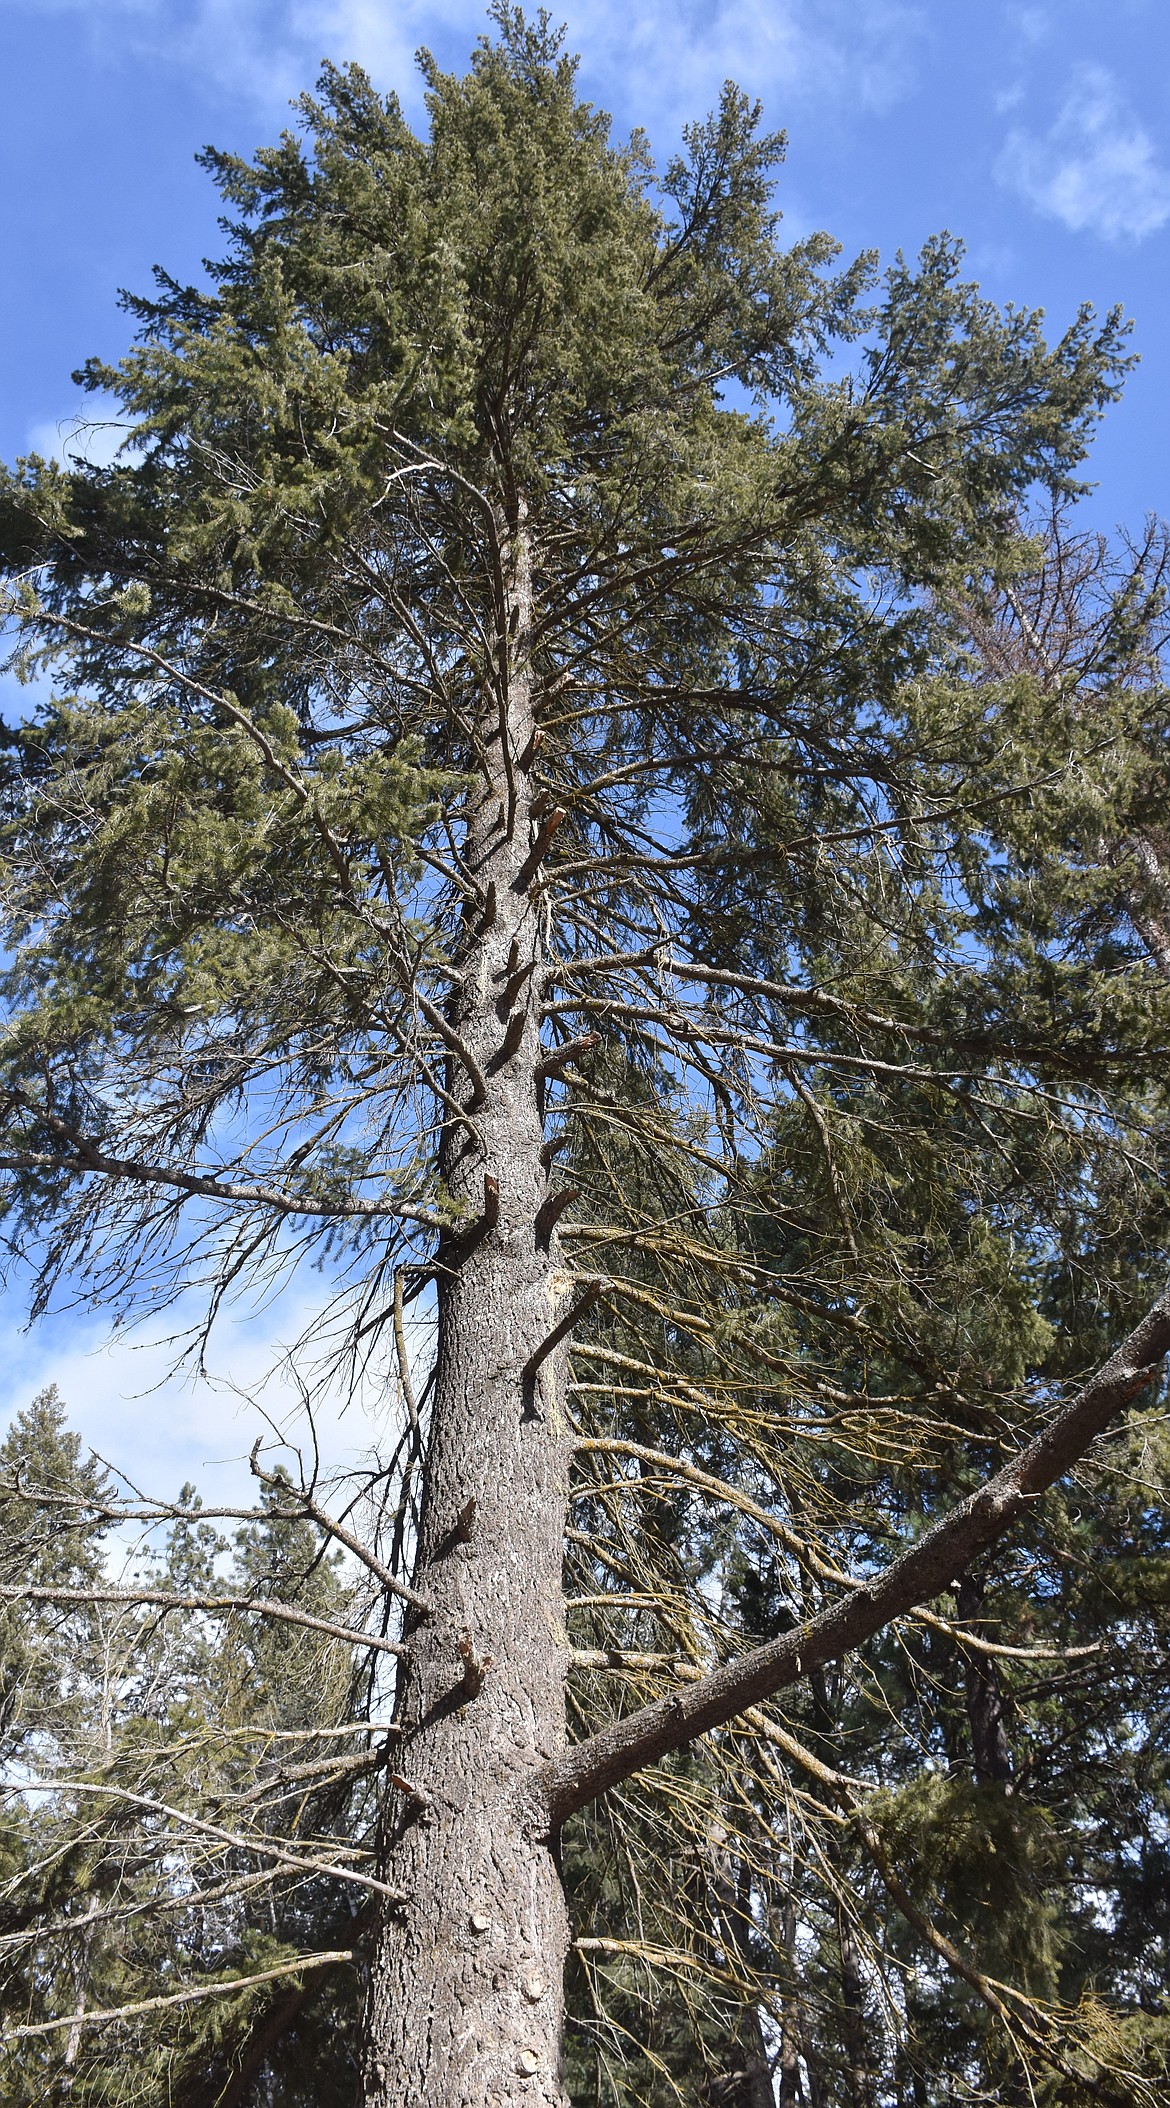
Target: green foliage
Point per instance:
(125, 1731)
(983, 1866)
(853, 904)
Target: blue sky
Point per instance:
(1040, 133)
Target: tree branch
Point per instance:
(921, 1573)
(87, 1157)
(307, 1506)
(166, 1599)
(235, 1840)
(176, 1998)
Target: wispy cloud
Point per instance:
(1096, 168)
(95, 435)
(860, 53)
(164, 1426)
(853, 54)
(260, 51)
(1031, 24)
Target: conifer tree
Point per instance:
(172, 1788)
(519, 819)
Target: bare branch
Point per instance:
(234, 1840)
(308, 1507)
(942, 1553)
(87, 1157)
(164, 1599)
(177, 1998)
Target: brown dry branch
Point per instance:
(922, 1572)
(215, 1606)
(222, 1988)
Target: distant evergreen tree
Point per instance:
(113, 1901)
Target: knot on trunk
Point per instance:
(475, 1668)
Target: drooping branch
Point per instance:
(168, 1599)
(306, 1506)
(921, 1573)
(220, 1989)
(1023, 2015)
(256, 1842)
(85, 1157)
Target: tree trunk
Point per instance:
(749, 2083)
(991, 1751)
(1150, 902)
(465, 1997)
(758, 2088)
(854, 2019)
(791, 2091)
(813, 2062)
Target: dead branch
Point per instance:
(921, 1573)
(177, 1998)
(164, 1599)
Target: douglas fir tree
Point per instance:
(519, 811)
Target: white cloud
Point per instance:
(265, 51)
(94, 436)
(123, 1397)
(651, 60)
(847, 53)
(1032, 24)
(1096, 168)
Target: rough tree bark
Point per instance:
(465, 2002)
(791, 2091)
(749, 2082)
(465, 1999)
(854, 2019)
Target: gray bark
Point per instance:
(759, 2091)
(1150, 902)
(791, 2091)
(465, 2002)
(749, 2084)
(464, 2005)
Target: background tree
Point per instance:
(176, 1788)
(518, 817)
